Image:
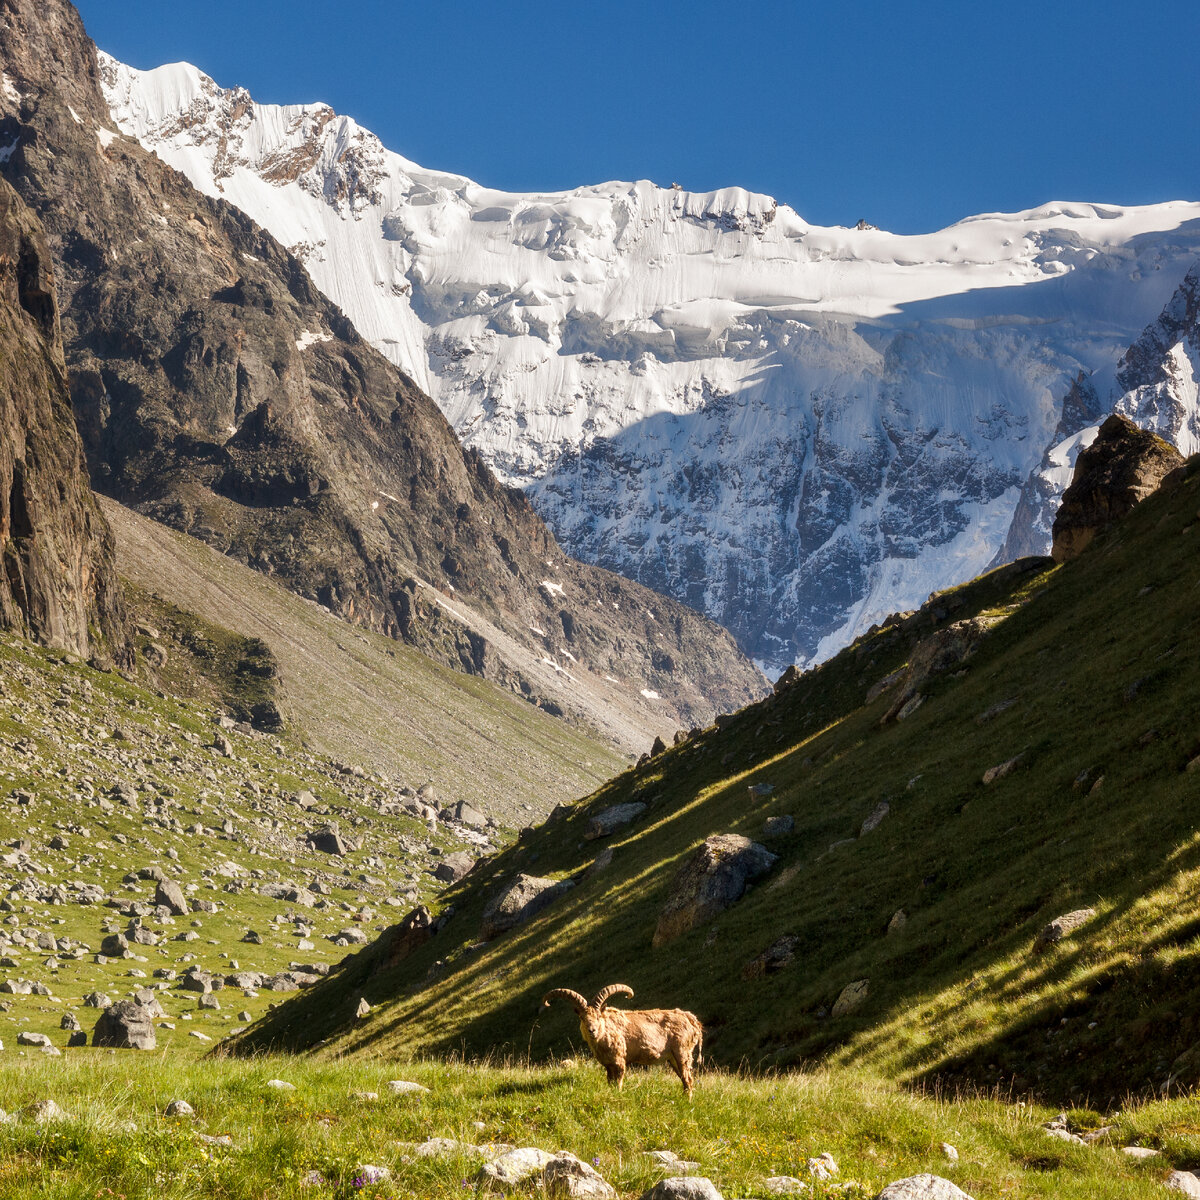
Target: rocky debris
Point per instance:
(453, 867)
(1117, 471)
(610, 819)
(179, 1108)
(566, 1175)
(1184, 1182)
(125, 1025)
(683, 1187)
(1140, 1152)
(513, 1168)
(922, 1187)
(520, 900)
(1060, 927)
(710, 880)
(774, 958)
(26, 1038)
(778, 826)
(852, 996)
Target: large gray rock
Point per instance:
(523, 898)
(922, 1187)
(610, 819)
(453, 867)
(853, 995)
(114, 945)
(712, 879)
(170, 895)
(125, 1025)
(683, 1187)
(1184, 1182)
(566, 1175)
(330, 841)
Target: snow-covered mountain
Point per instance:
(795, 429)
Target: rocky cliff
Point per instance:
(217, 390)
(57, 580)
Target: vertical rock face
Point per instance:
(1118, 470)
(217, 391)
(57, 580)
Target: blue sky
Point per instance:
(910, 114)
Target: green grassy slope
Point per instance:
(1101, 663)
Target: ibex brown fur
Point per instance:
(620, 1038)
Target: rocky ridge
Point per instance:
(218, 391)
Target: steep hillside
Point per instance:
(218, 391)
(360, 697)
(606, 347)
(57, 580)
(1034, 760)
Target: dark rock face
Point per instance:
(125, 1025)
(217, 391)
(56, 553)
(712, 879)
(1118, 470)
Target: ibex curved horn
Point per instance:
(606, 993)
(574, 999)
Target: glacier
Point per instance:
(795, 429)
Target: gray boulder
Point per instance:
(523, 898)
(1060, 927)
(922, 1187)
(330, 841)
(1184, 1182)
(170, 895)
(778, 826)
(610, 819)
(114, 946)
(566, 1175)
(25, 1038)
(712, 879)
(465, 814)
(683, 1187)
(125, 1025)
(853, 995)
(453, 867)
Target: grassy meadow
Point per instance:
(116, 1140)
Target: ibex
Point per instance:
(620, 1038)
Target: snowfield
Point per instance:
(796, 429)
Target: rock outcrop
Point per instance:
(712, 879)
(522, 899)
(57, 579)
(1118, 470)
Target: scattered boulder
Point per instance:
(513, 1168)
(464, 814)
(114, 945)
(683, 1187)
(43, 1112)
(774, 958)
(1117, 471)
(713, 877)
(922, 1187)
(170, 895)
(522, 899)
(566, 1175)
(1140, 1152)
(281, 1085)
(453, 867)
(778, 826)
(402, 1087)
(26, 1038)
(1004, 769)
(670, 1162)
(328, 840)
(180, 1108)
(1060, 927)
(125, 1025)
(610, 819)
(853, 995)
(875, 819)
(1184, 1182)
(898, 921)
(933, 655)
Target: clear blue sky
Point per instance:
(911, 114)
